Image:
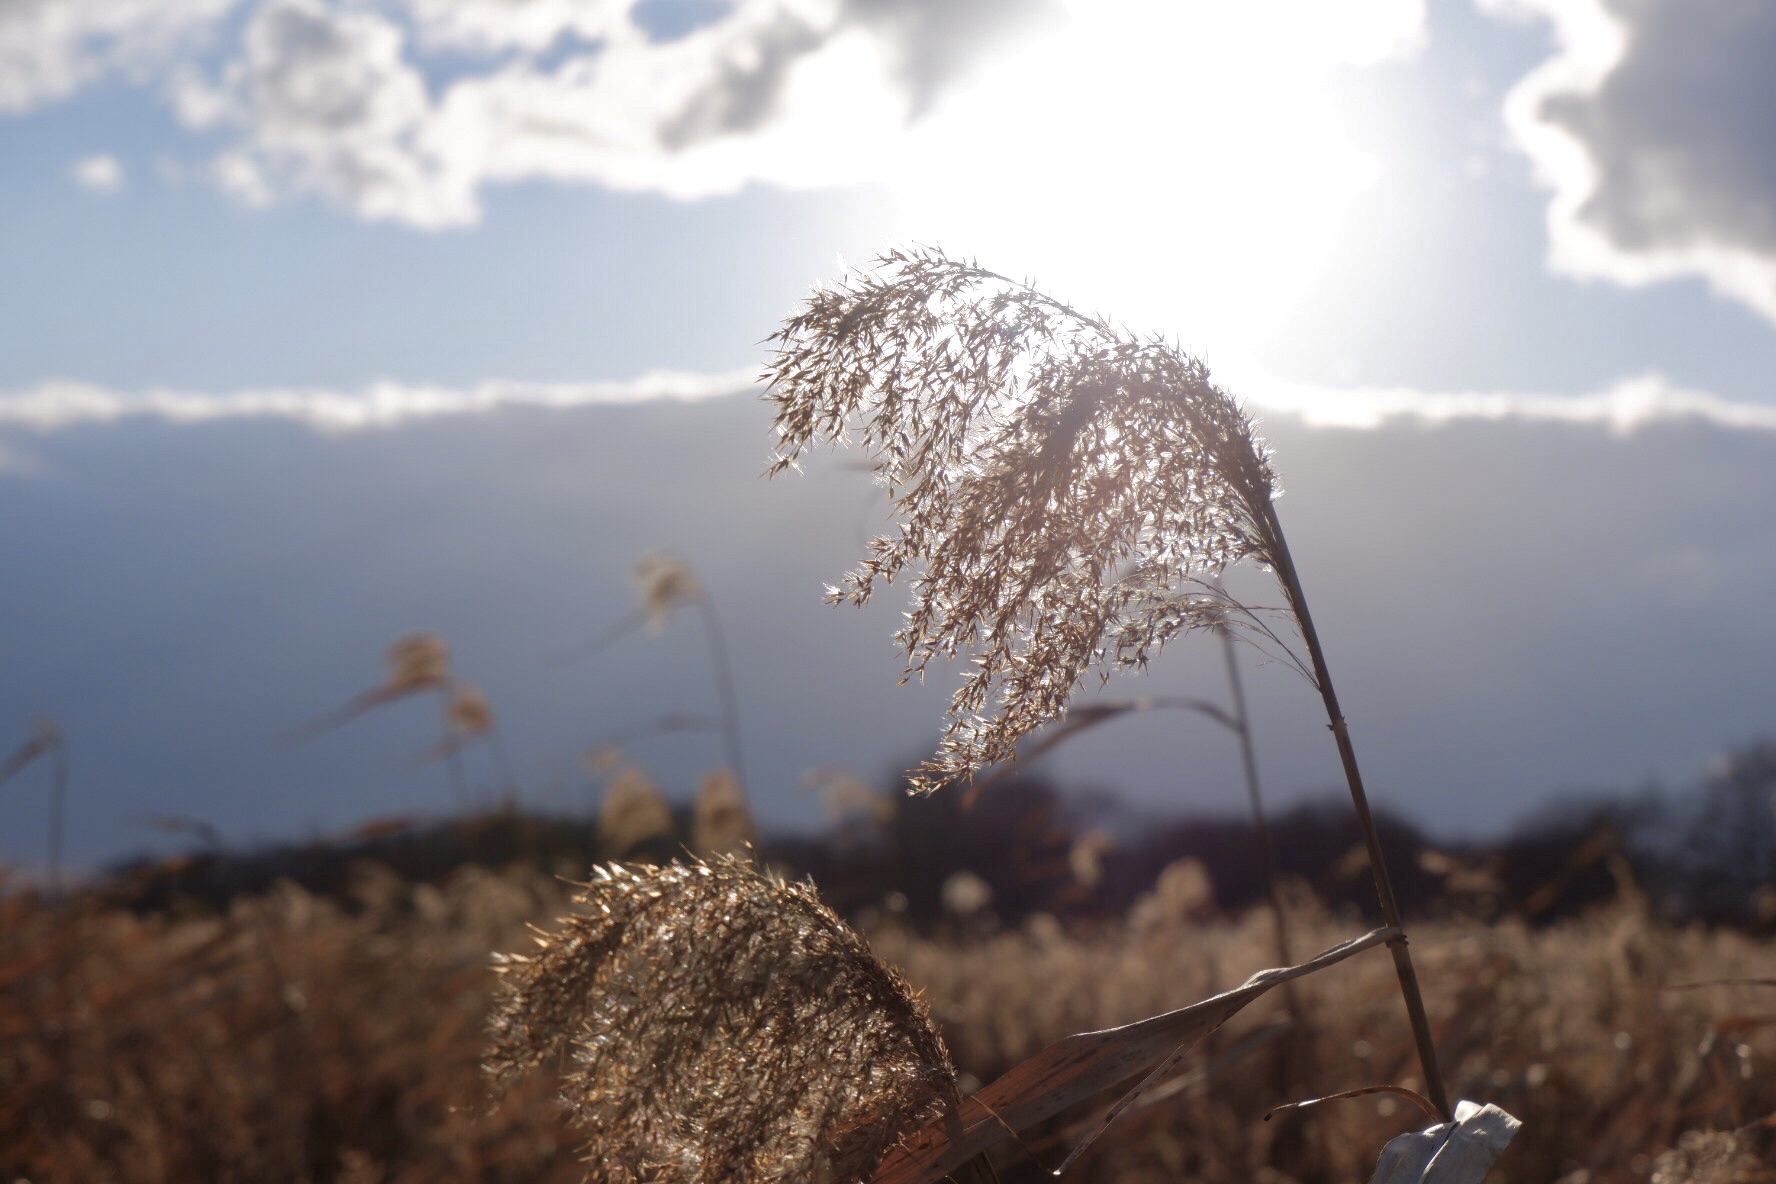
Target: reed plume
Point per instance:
(632, 813)
(663, 584)
(1068, 496)
(721, 823)
(724, 1026)
(1064, 488)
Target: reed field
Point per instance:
(292, 1035)
(969, 985)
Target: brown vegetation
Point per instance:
(296, 1037)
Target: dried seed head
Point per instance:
(633, 812)
(1065, 489)
(725, 1026)
(721, 824)
(663, 582)
(470, 713)
(418, 661)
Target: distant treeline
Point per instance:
(1708, 854)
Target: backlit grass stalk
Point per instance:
(1068, 495)
(47, 741)
(665, 583)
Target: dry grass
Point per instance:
(305, 1040)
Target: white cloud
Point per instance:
(1622, 408)
(51, 48)
(329, 104)
(332, 100)
(101, 173)
(1650, 125)
(57, 405)
(406, 110)
(493, 26)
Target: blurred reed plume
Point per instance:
(469, 713)
(418, 663)
(1069, 496)
(721, 823)
(46, 742)
(664, 583)
(724, 1026)
(469, 719)
(633, 811)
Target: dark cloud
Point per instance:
(1511, 609)
(939, 42)
(1666, 104)
(934, 44)
(1680, 130)
(741, 94)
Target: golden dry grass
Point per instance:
(305, 1039)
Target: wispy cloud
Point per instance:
(100, 173)
(1649, 123)
(49, 49)
(1623, 407)
(53, 406)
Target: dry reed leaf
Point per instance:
(721, 822)
(1078, 1067)
(724, 1026)
(1458, 1152)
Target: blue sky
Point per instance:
(260, 255)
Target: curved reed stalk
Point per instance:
(663, 583)
(1068, 495)
(47, 740)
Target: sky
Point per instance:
(322, 321)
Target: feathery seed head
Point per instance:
(633, 812)
(418, 661)
(721, 823)
(724, 1026)
(1065, 489)
(470, 713)
(663, 583)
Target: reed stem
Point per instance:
(1255, 799)
(724, 685)
(1384, 887)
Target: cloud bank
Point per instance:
(1624, 407)
(1650, 125)
(1512, 608)
(54, 406)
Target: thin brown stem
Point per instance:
(1384, 887)
(459, 787)
(58, 812)
(724, 682)
(1242, 728)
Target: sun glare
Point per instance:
(1185, 163)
